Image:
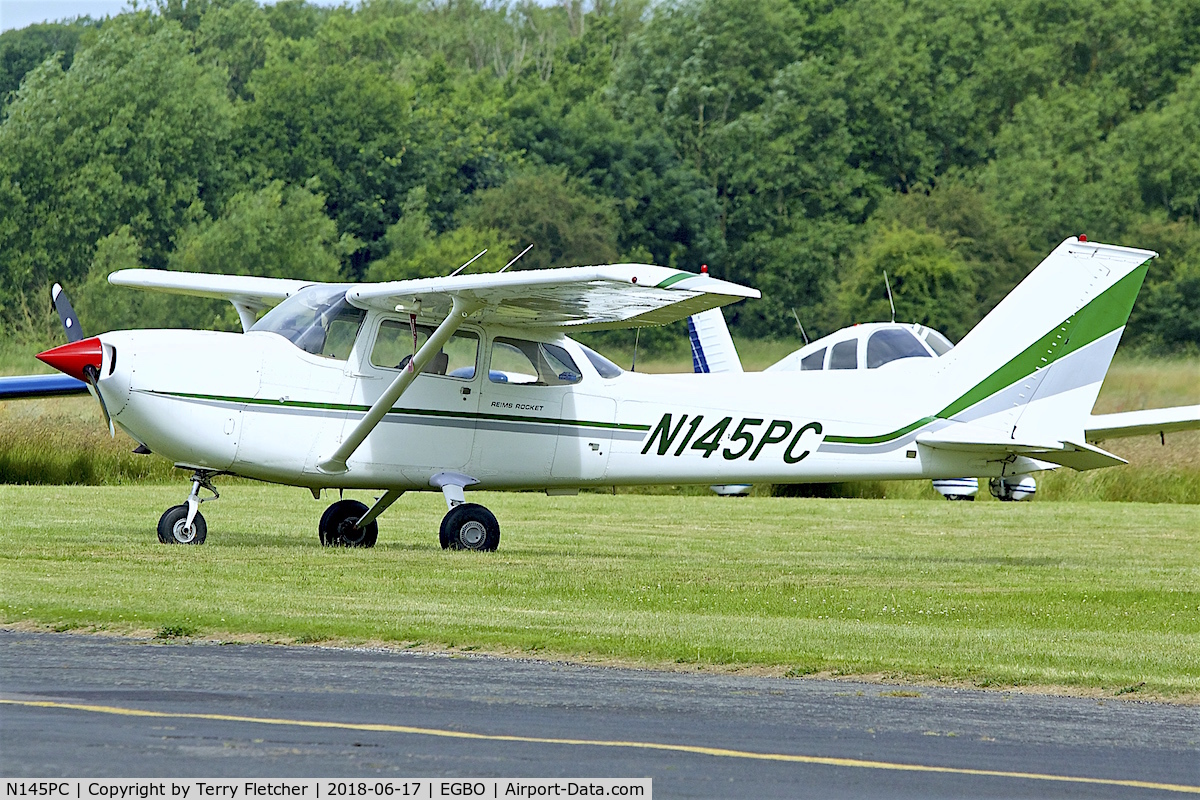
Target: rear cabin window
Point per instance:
(606, 368)
(891, 344)
(940, 344)
(533, 363)
(844, 355)
(394, 349)
(813, 360)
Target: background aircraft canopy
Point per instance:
(867, 346)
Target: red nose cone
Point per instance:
(72, 358)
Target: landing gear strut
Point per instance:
(184, 524)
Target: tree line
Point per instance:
(799, 146)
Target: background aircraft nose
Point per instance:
(74, 357)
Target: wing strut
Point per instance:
(459, 312)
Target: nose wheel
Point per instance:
(184, 524)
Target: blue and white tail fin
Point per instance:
(712, 346)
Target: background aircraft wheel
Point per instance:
(470, 526)
(337, 526)
(171, 527)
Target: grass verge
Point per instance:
(1083, 597)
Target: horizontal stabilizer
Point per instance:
(969, 439)
(1142, 423)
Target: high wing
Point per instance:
(248, 294)
(1139, 423)
(576, 298)
(579, 298)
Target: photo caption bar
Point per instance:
(323, 788)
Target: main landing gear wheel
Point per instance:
(337, 526)
(469, 526)
(173, 527)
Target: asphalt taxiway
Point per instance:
(90, 706)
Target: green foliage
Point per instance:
(567, 225)
(415, 250)
(22, 49)
(278, 231)
(931, 284)
(345, 124)
(235, 38)
(793, 146)
(134, 133)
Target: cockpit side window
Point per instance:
(890, 344)
(536, 363)
(317, 319)
(844, 355)
(813, 360)
(394, 348)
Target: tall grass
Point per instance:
(63, 441)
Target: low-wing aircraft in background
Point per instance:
(470, 381)
(868, 345)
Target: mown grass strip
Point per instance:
(1087, 596)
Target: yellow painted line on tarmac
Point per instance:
(719, 752)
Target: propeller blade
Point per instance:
(66, 313)
(91, 376)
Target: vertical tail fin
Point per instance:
(712, 346)
(1033, 367)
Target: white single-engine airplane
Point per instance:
(470, 381)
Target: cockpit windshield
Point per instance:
(317, 319)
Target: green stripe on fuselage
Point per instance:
(886, 437)
(416, 412)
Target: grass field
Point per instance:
(1093, 598)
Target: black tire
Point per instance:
(470, 526)
(170, 527)
(337, 526)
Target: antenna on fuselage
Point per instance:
(891, 302)
(469, 263)
(796, 317)
(509, 264)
